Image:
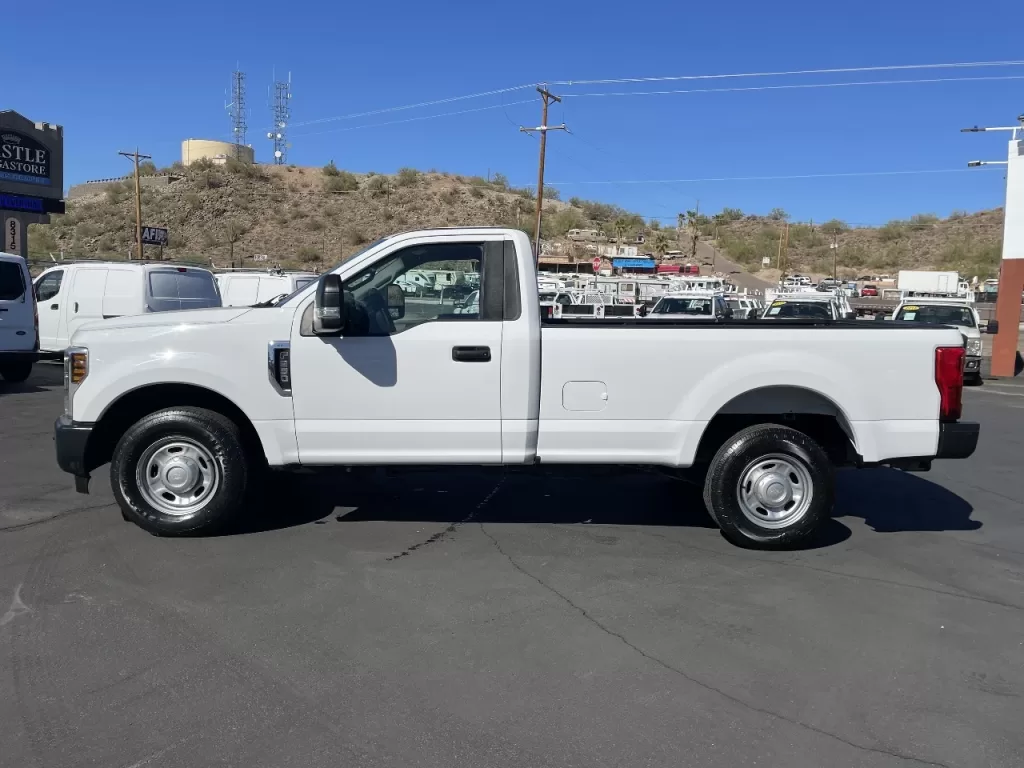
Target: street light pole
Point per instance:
(1011, 270)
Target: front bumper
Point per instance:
(958, 440)
(71, 439)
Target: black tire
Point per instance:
(212, 432)
(15, 372)
(744, 449)
(973, 380)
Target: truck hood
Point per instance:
(168, 319)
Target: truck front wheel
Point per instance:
(180, 470)
(769, 487)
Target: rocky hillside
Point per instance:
(311, 216)
(968, 243)
(297, 216)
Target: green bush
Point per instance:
(147, 168)
(551, 193)
(330, 169)
(307, 254)
(834, 227)
(342, 182)
(476, 192)
(500, 180)
(193, 201)
(892, 231)
(407, 177)
(315, 225)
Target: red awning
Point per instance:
(669, 268)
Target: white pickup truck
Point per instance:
(190, 408)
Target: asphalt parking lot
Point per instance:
(483, 619)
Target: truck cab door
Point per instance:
(419, 385)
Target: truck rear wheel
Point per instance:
(769, 487)
(181, 470)
(15, 372)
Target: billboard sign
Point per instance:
(154, 236)
(23, 159)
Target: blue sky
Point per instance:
(348, 58)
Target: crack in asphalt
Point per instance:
(451, 527)
(58, 516)
(681, 673)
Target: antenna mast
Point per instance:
(281, 95)
(236, 110)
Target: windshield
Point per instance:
(793, 309)
(937, 315)
(683, 307)
(304, 286)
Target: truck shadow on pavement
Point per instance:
(891, 501)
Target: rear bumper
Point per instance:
(71, 439)
(958, 440)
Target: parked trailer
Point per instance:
(928, 281)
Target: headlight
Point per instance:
(974, 347)
(76, 369)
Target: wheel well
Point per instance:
(802, 409)
(132, 406)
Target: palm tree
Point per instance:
(660, 242)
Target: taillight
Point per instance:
(949, 378)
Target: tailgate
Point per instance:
(17, 311)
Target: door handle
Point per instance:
(54, 306)
(471, 354)
(76, 306)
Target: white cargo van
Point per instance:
(243, 289)
(70, 295)
(19, 340)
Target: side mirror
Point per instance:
(328, 306)
(396, 302)
(992, 327)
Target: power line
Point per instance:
(435, 102)
(886, 68)
(417, 119)
(795, 86)
(764, 178)
(497, 91)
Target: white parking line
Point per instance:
(987, 390)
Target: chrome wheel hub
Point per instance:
(178, 476)
(775, 491)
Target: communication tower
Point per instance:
(236, 111)
(280, 103)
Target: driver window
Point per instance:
(49, 286)
(437, 281)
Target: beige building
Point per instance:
(215, 151)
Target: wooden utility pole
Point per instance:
(546, 97)
(835, 255)
(138, 198)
